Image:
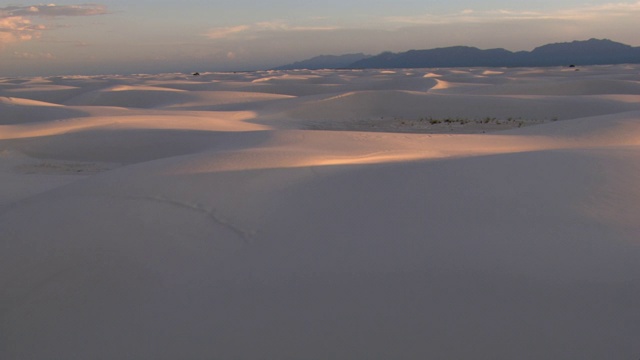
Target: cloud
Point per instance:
(514, 29)
(592, 12)
(261, 27)
(55, 10)
(32, 56)
(282, 26)
(16, 26)
(224, 32)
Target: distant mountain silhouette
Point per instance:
(325, 62)
(589, 52)
(455, 56)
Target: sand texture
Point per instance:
(407, 214)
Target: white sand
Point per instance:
(322, 215)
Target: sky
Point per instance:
(156, 36)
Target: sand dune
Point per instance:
(144, 97)
(170, 216)
(568, 88)
(364, 110)
(21, 111)
(45, 93)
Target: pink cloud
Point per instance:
(55, 10)
(17, 28)
(15, 25)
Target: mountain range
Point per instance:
(325, 62)
(587, 52)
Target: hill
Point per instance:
(588, 52)
(325, 62)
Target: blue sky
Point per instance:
(150, 36)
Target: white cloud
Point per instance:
(224, 32)
(282, 26)
(261, 27)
